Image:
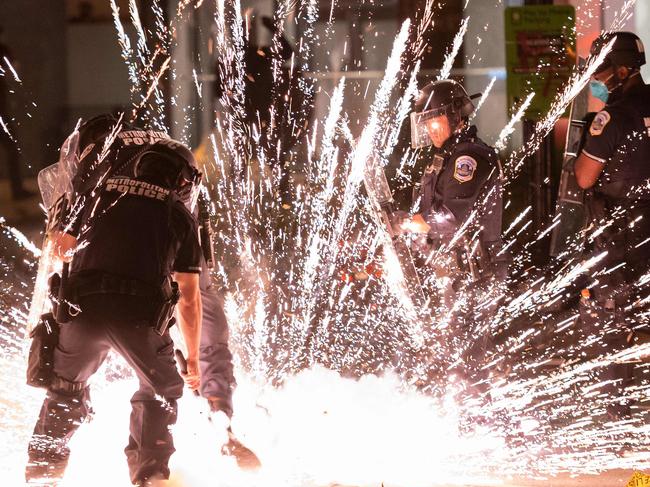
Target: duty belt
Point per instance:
(109, 284)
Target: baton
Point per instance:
(182, 365)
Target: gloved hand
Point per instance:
(398, 219)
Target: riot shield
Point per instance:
(382, 203)
(55, 185)
(570, 210)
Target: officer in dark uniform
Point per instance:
(216, 365)
(614, 167)
(132, 234)
(462, 178)
(217, 378)
(462, 167)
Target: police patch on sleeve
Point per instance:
(464, 168)
(600, 122)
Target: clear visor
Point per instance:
(419, 133)
(190, 187)
(55, 180)
(189, 194)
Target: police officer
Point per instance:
(614, 167)
(462, 177)
(135, 248)
(216, 367)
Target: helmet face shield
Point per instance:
(419, 120)
(419, 134)
(189, 187)
(189, 195)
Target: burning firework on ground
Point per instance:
(342, 380)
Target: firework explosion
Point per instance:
(340, 375)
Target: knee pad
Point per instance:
(63, 386)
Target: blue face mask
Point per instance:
(599, 90)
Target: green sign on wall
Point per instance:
(540, 54)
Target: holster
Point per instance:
(596, 207)
(483, 261)
(40, 362)
(59, 296)
(165, 317)
(467, 262)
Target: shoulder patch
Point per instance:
(464, 168)
(600, 122)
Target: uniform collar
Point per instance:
(637, 92)
(468, 133)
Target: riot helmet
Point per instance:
(171, 165)
(97, 128)
(445, 97)
(627, 50)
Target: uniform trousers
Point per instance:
(122, 323)
(626, 242)
(215, 358)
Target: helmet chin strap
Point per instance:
(622, 82)
(460, 126)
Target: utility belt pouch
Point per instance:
(40, 362)
(165, 317)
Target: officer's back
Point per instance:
(135, 256)
(136, 225)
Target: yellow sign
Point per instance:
(639, 480)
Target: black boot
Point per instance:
(246, 459)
